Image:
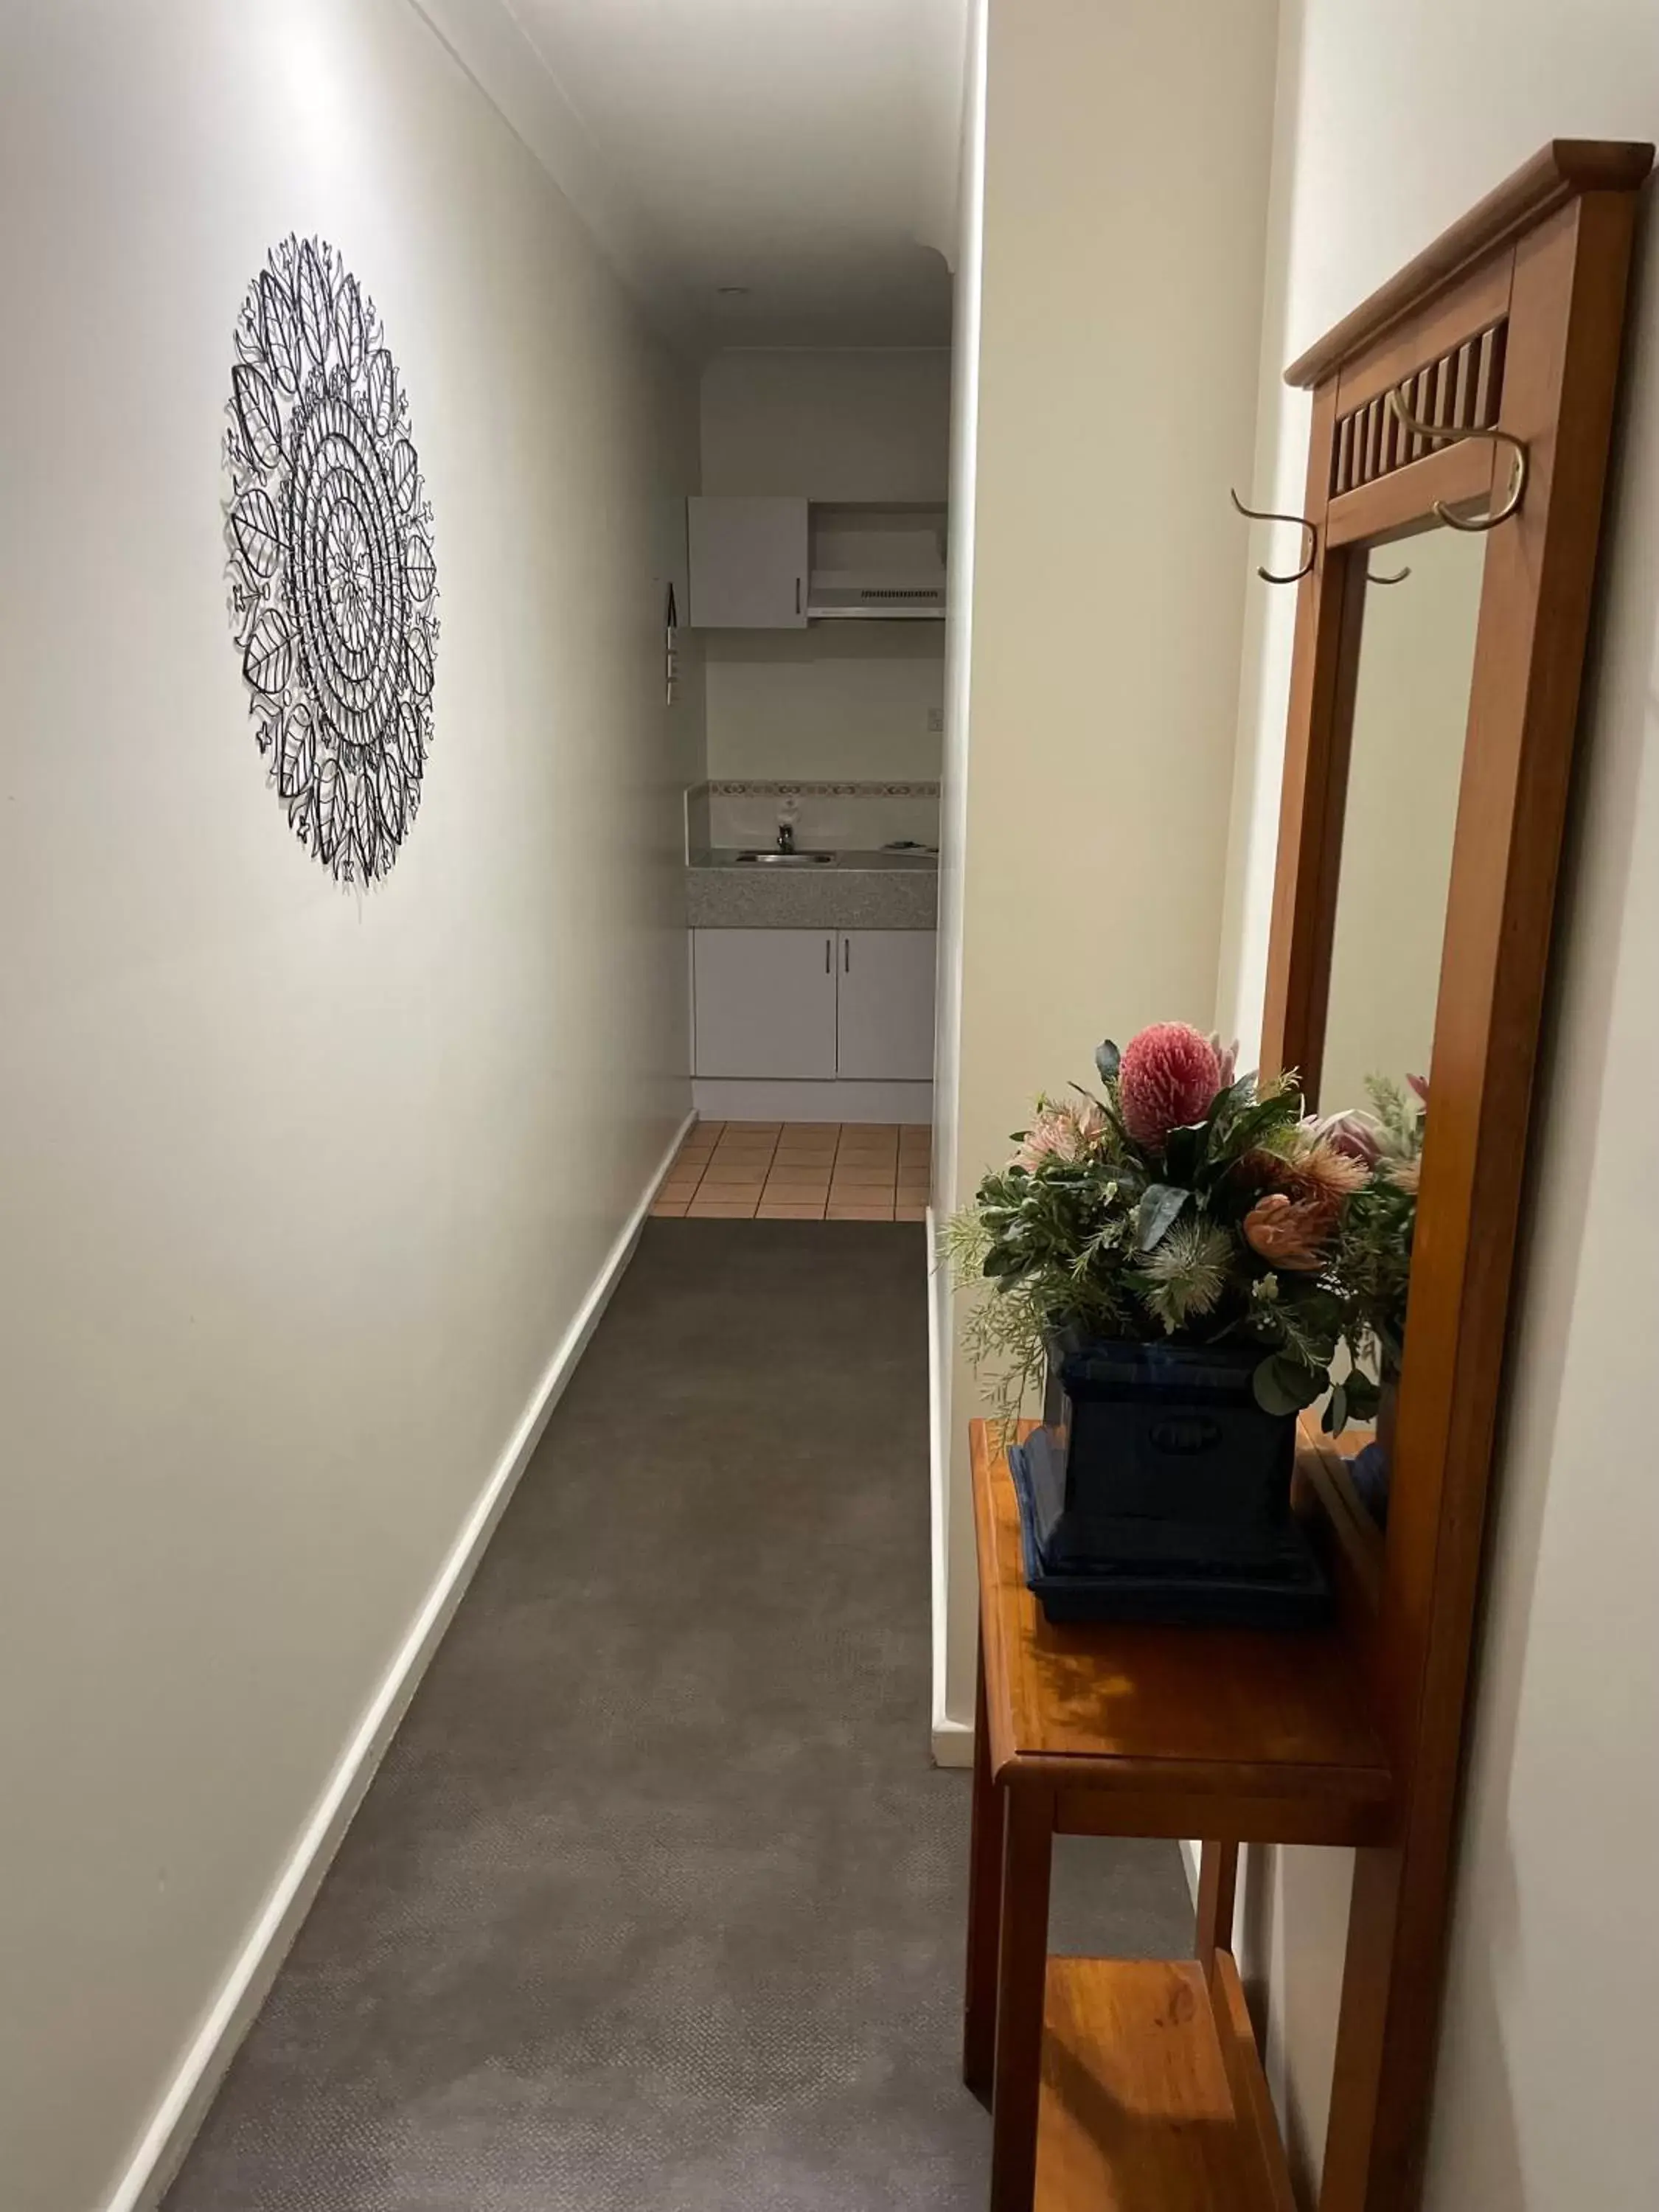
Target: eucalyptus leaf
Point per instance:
(1183, 1151)
(1256, 1121)
(1283, 1385)
(1336, 1410)
(1232, 1099)
(1363, 1396)
(1268, 1392)
(1160, 1208)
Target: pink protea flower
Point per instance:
(1168, 1077)
(1420, 1084)
(1227, 1057)
(1287, 1234)
(1356, 1135)
(1323, 1173)
(1062, 1133)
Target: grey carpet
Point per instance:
(656, 1905)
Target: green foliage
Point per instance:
(1284, 1385)
(1374, 1256)
(1160, 1202)
(1086, 1228)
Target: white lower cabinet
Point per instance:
(885, 1006)
(814, 1005)
(765, 1002)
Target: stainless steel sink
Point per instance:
(784, 860)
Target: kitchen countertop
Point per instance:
(857, 890)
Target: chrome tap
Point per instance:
(786, 834)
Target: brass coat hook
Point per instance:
(1263, 514)
(1452, 437)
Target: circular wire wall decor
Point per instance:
(333, 583)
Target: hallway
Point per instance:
(656, 1905)
(626, 626)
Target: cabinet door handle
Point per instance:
(847, 955)
(826, 955)
(798, 595)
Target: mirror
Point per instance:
(1411, 710)
(1411, 706)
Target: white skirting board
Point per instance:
(953, 1739)
(172, 2127)
(753, 1098)
(953, 1743)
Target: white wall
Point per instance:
(1544, 2097)
(300, 1191)
(839, 701)
(1119, 332)
(861, 423)
(851, 700)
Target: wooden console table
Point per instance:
(1135, 2086)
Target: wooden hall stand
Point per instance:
(1123, 2086)
(1134, 2085)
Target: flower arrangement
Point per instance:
(1372, 1263)
(1182, 1202)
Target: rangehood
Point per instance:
(875, 564)
(845, 595)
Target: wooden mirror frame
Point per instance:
(1512, 320)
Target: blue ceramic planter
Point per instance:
(1156, 1489)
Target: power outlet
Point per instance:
(936, 721)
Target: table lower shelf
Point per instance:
(1152, 2092)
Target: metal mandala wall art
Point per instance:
(333, 585)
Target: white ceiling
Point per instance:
(804, 149)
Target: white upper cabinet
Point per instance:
(885, 1006)
(748, 559)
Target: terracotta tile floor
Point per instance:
(799, 1171)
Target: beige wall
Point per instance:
(300, 1191)
(1089, 792)
(839, 700)
(1544, 2098)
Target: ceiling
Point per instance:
(803, 150)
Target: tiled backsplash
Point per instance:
(828, 817)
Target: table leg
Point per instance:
(1027, 1847)
(1217, 1889)
(979, 2027)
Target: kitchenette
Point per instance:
(815, 570)
(812, 911)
